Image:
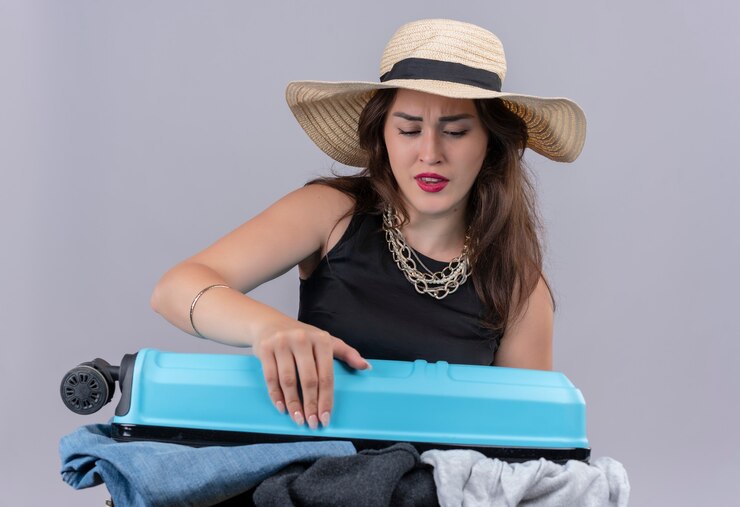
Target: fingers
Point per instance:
(299, 371)
(269, 369)
(350, 355)
(288, 379)
(325, 369)
(306, 365)
(298, 367)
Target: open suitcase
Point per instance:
(221, 399)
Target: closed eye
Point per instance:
(408, 132)
(452, 133)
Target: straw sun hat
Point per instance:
(443, 57)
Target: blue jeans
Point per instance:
(155, 473)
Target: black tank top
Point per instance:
(358, 294)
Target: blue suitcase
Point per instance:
(221, 399)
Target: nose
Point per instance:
(430, 149)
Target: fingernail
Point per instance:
(280, 406)
(313, 422)
(325, 419)
(298, 418)
(369, 366)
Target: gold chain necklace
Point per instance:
(438, 284)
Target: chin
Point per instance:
(432, 207)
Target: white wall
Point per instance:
(133, 134)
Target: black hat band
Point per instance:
(436, 70)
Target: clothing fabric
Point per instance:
(358, 294)
(372, 478)
(467, 478)
(155, 473)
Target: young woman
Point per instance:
(430, 252)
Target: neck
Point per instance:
(440, 237)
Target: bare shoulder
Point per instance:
(322, 201)
(332, 213)
(318, 208)
(293, 229)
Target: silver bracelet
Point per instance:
(195, 300)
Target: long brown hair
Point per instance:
(506, 256)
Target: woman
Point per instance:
(430, 252)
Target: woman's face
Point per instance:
(436, 146)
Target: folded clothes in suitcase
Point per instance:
(221, 399)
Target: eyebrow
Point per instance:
(442, 119)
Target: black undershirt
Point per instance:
(358, 294)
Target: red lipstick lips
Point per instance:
(431, 182)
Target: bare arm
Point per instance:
(293, 229)
(257, 251)
(527, 343)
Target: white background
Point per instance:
(133, 134)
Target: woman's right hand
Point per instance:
(297, 356)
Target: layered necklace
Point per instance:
(437, 284)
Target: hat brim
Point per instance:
(329, 113)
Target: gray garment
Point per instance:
(393, 476)
(467, 478)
